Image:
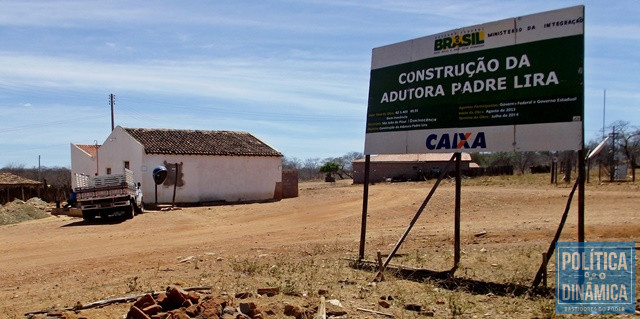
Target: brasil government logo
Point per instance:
(458, 41)
(595, 278)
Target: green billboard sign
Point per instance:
(514, 84)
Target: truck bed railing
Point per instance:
(104, 192)
(95, 187)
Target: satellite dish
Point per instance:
(598, 148)
(159, 174)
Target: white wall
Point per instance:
(215, 178)
(81, 163)
(206, 178)
(118, 148)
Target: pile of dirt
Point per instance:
(20, 211)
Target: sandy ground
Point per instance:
(59, 261)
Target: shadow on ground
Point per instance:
(446, 280)
(112, 220)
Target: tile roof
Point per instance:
(8, 179)
(90, 149)
(429, 157)
(198, 142)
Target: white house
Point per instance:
(84, 160)
(213, 165)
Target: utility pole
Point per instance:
(97, 158)
(612, 171)
(604, 106)
(112, 101)
(39, 177)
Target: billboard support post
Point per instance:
(552, 246)
(417, 215)
(365, 200)
(456, 259)
(581, 180)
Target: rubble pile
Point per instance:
(177, 303)
(19, 211)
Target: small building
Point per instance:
(13, 186)
(406, 167)
(84, 160)
(212, 166)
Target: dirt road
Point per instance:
(59, 261)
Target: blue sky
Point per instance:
(293, 73)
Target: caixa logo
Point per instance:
(456, 141)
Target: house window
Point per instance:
(108, 170)
(126, 164)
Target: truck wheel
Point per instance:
(140, 208)
(87, 216)
(130, 211)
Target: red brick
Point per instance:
(136, 313)
(297, 311)
(145, 301)
(153, 309)
(270, 292)
(178, 314)
(193, 296)
(192, 310)
(175, 298)
(162, 297)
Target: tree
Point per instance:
(623, 146)
(291, 163)
(523, 160)
(345, 162)
(329, 169)
(493, 159)
(627, 139)
(309, 168)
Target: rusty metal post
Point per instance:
(581, 181)
(175, 185)
(365, 200)
(456, 259)
(380, 275)
(552, 246)
(545, 261)
(633, 169)
(418, 213)
(588, 171)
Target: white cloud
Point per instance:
(263, 81)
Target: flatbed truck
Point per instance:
(102, 196)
